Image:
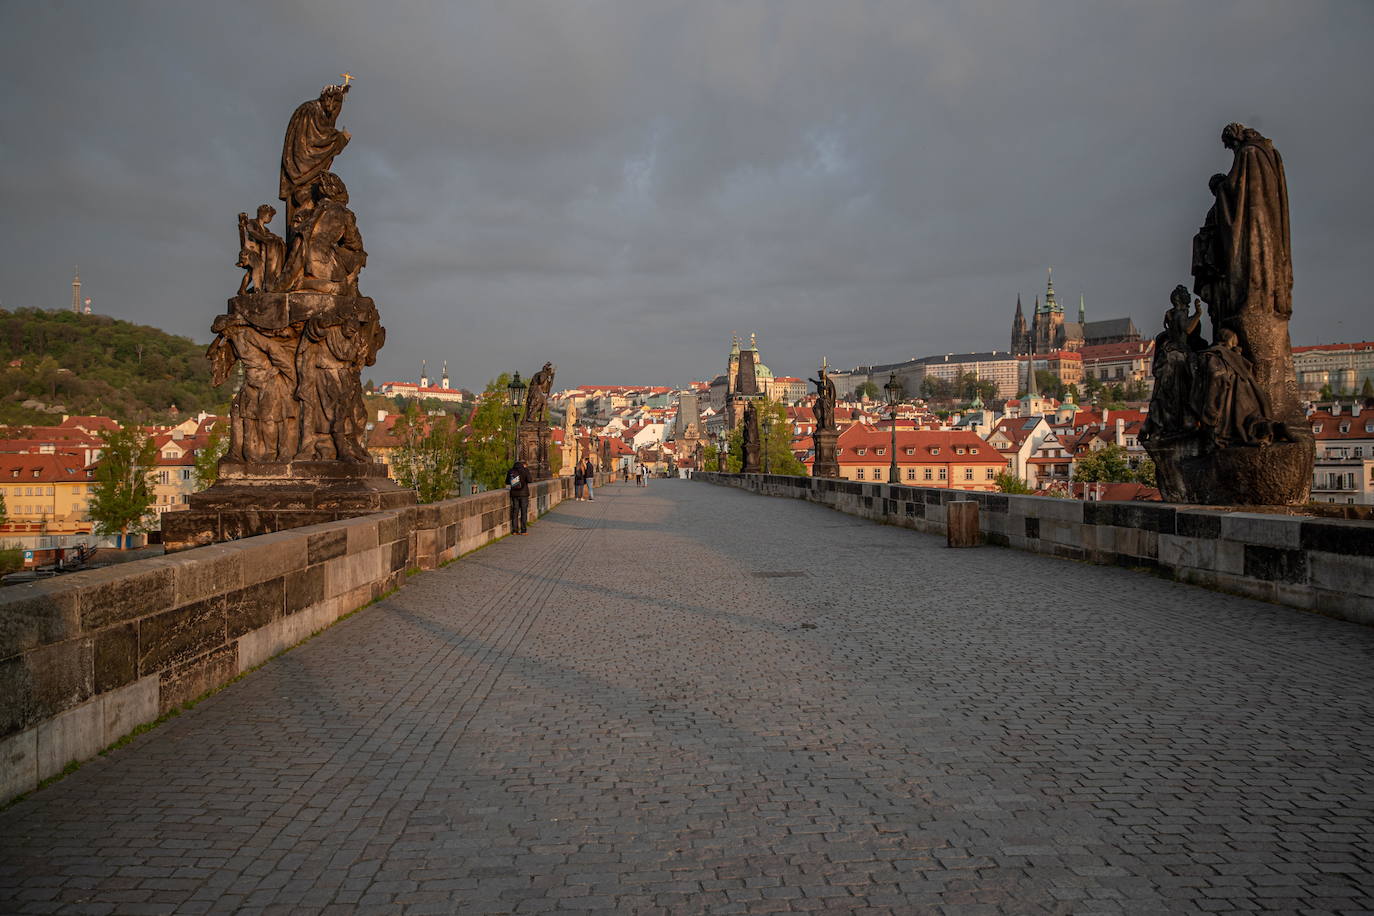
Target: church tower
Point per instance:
(1049, 332)
(444, 381)
(732, 366)
(76, 291)
(424, 374)
(1020, 337)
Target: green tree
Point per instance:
(1007, 482)
(1326, 393)
(207, 458)
(868, 389)
(777, 445)
(1137, 390)
(123, 488)
(1367, 389)
(1145, 472)
(1109, 464)
(936, 389)
(4, 509)
(429, 456)
(491, 441)
(1049, 384)
(1092, 387)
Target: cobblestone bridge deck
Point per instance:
(692, 699)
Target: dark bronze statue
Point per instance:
(825, 455)
(824, 408)
(750, 454)
(312, 141)
(537, 396)
(1225, 425)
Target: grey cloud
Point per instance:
(618, 186)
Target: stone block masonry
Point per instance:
(1316, 564)
(88, 657)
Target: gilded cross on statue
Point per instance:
(347, 78)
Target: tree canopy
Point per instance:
(93, 364)
(123, 491)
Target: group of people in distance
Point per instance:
(519, 478)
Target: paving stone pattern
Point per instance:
(688, 698)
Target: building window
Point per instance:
(186, 474)
(991, 474)
(968, 473)
(910, 473)
(881, 451)
(925, 474)
(935, 451)
(861, 451)
(877, 473)
(859, 474)
(162, 477)
(944, 473)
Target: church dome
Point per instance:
(762, 371)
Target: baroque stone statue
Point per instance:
(300, 328)
(1225, 425)
(532, 436)
(312, 142)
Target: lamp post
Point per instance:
(516, 398)
(894, 391)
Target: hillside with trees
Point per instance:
(59, 362)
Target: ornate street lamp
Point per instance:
(894, 391)
(515, 392)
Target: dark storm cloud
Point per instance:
(618, 186)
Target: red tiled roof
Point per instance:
(50, 468)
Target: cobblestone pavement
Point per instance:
(694, 699)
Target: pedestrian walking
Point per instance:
(518, 479)
(588, 476)
(579, 480)
(626, 472)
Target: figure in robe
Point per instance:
(1209, 271)
(1171, 404)
(312, 141)
(1230, 405)
(541, 383)
(333, 413)
(264, 424)
(1252, 227)
(327, 251)
(262, 253)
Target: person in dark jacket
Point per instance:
(518, 479)
(579, 478)
(589, 476)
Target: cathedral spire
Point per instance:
(1051, 304)
(1082, 311)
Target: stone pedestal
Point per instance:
(827, 462)
(532, 445)
(1278, 474)
(252, 499)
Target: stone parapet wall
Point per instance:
(87, 657)
(1317, 564)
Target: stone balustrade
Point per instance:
(1318, 564)
(87, 657)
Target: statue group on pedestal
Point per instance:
(298, 324)
(532, 437)
(825, 461)
(1225, 424)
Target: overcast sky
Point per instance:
(619, 186)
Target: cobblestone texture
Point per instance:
(692, 699)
